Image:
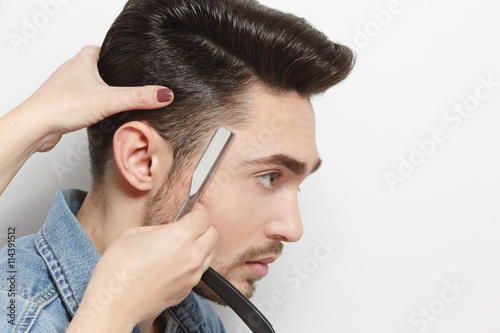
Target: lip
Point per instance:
(265, 261)
(260, 267)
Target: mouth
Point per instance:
(260, 267)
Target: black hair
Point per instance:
(209, 52)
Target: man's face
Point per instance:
(252, 198)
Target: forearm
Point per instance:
(20, 137)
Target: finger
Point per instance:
(86, 58)
(208, 240)
(207, 262)
(198, 220)
(138, 98)
(90, 51)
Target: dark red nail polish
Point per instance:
(166, 222)
(164, 95)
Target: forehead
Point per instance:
(278, 124)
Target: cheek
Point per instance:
(234, 213)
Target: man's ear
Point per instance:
(142, 156)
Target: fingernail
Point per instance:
(166, 222)
(164, 95)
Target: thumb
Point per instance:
(139, 98)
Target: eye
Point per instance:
(269, 180)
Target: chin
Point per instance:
(247, 288)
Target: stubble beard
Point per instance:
(248, 286)
(165, 202)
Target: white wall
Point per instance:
(423, 256)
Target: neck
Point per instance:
(104, 215)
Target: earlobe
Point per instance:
(140, 156)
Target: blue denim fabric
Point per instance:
(54, 268)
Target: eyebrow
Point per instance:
(289, 162)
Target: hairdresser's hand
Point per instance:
(146, 270)
(73, 97)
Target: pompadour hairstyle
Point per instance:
(209, 52)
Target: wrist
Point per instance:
(38, 133)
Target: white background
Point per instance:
(397, 251)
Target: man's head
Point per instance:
(231, 63)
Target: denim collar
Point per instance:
(68, 252)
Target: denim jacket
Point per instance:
(42, 285)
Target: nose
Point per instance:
(285, 223)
